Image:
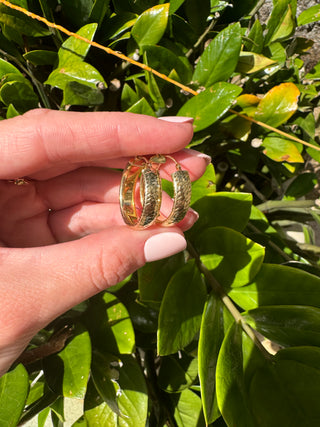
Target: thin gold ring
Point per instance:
(151, 192)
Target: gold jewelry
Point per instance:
(151, 192)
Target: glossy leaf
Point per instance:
(132, 400)
(233, 259)
(79, 15)
(151, 25)
(312, 14)
(81, 72)
(6, 68)
(281, 22)
(281, 150)
(110, 326)
(12, 112)
(279, 285)
(287, 325)
(278, 105)
(41, 57)
(104, 376)
(210, 340)
(178, 323)
(250, 62)
(177, 372)
(71, 66)
(218, 210)
(164, 61)
(76, 358)
(290, 388)
(188, 410)
(204, 186)
(154, 277)
(14, 387)
(74, 50)
(231, 393)
(220, 58)
(79, 94)
(175, 4)
(128, 97)
(210, 105)
(255, 40)
(301, 185)
(20, 94)
(141, 107)
(21, 23)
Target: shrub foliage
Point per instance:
(228, 332)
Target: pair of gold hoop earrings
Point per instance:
(151, 193)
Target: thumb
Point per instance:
(47, 281)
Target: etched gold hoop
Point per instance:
(151, 193)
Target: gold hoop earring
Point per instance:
(150, 193)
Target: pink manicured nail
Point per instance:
(177, 119)
(163, 245)
(196, 153)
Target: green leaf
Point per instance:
(218, 210)
(177, 372)
(174, 5)
(312, 14)
(41, 57)
(278, 105)
(188, 410)
(21, 23)
(233, 259)
(204, 186)
(197, 14)
(78, 94)
(132, 400)
(301, 185)
(279, 285)
(76, 358)
(290, 388)
(211, 337)
(141, 107)
(79, 15)
(281, 23)
(104, 375)
(250, 62)
(281, 150)
(220, 58)
(6, 68)
(287, 325)
(128, 97)
(165, 60)
(80, 72)
(12, 112)
(255, 40)
(99, 11)
(19, 94)
(154, 277)
(151, 25)
(178, 323)
(74, 50)
(231, 394)
(110, 325)
(211, 104)
(14, 387)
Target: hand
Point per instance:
(62, 238)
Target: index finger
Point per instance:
(41, 139)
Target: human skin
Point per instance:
(62, 237)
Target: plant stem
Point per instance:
(201, 38)
(219, 291)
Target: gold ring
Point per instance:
(151, 192)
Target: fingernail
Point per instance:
(163, 245)
(196, 153)
(177, 119)
(194, 214)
